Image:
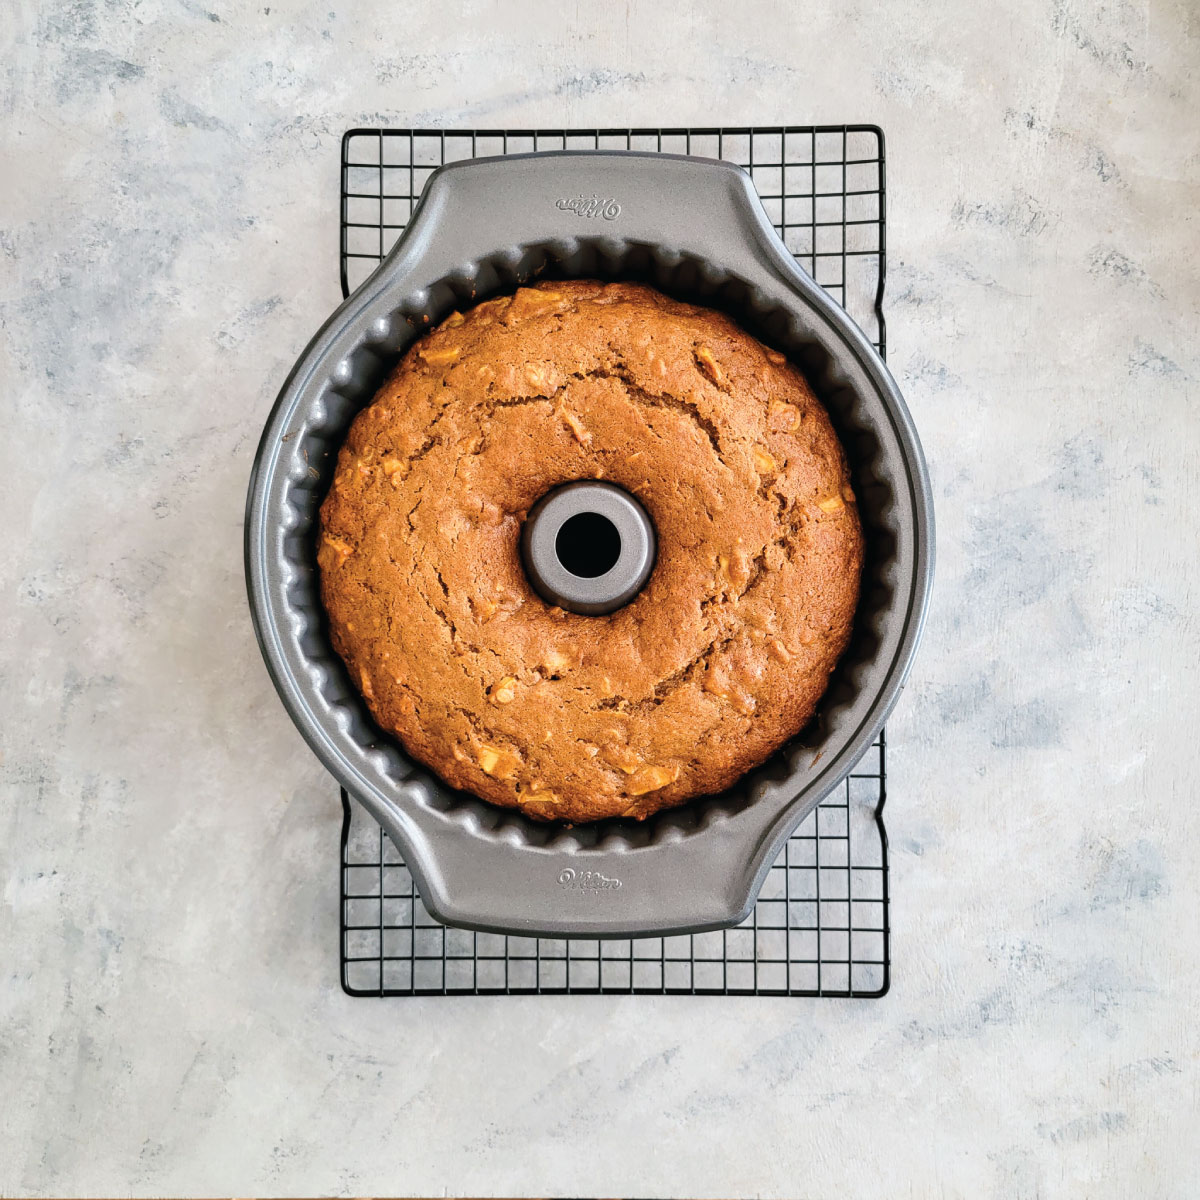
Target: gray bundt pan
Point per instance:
(695, 229)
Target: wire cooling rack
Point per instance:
(820, 926)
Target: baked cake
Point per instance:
(719, 660)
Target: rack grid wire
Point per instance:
(820, 926)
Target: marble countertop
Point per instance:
(170, 1015)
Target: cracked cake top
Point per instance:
(724, 654)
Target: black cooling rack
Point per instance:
(820, 927)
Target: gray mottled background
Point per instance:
(170, 1019)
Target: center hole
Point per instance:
(588, 545)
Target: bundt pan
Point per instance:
(695, 229)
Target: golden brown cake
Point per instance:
(719, 660)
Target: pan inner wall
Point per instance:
(353, 385)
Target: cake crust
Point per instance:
(721, 658)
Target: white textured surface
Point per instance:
(170, 1019)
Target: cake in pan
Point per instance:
(721, 657)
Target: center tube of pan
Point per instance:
(588, 547)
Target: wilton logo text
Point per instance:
(587, 881)
(591, 206)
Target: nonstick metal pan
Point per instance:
(695, 229)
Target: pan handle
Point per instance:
(683, 884)
(699, 206)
